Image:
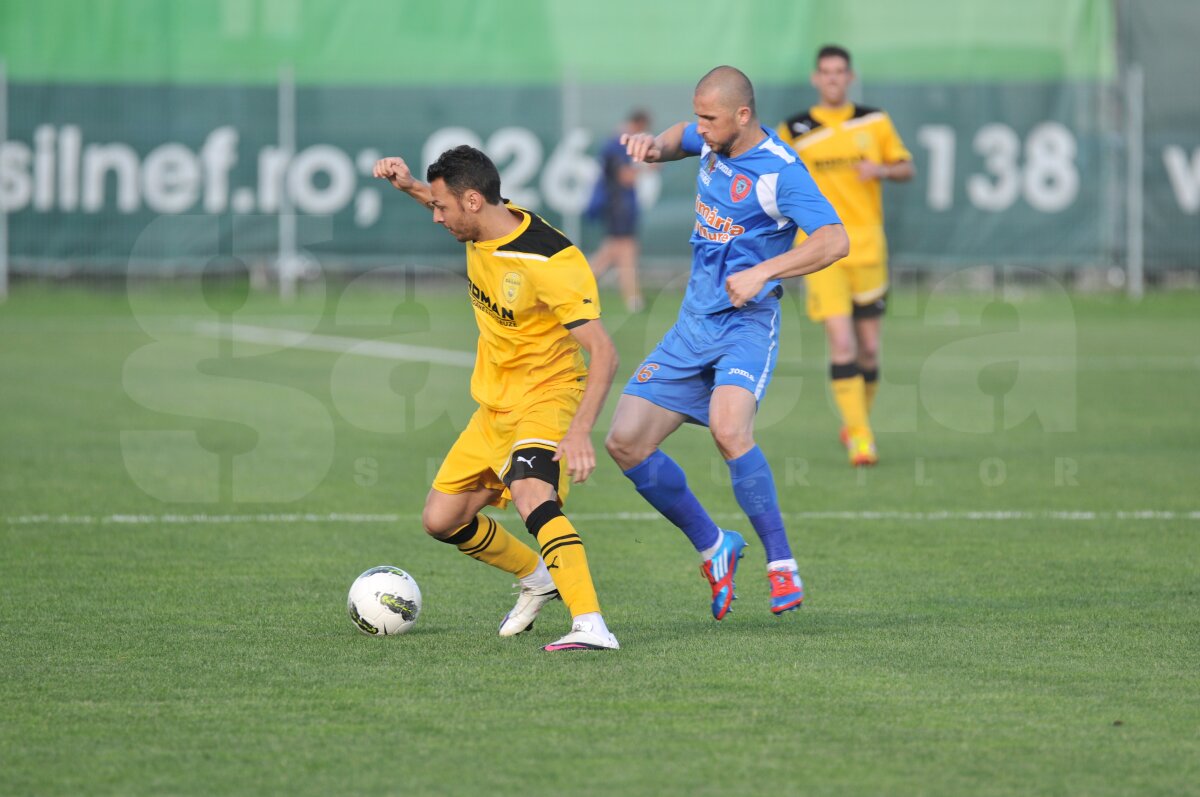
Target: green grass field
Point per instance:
(1008, 604)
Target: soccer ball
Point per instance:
(384, 601)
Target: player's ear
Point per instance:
(473, 200)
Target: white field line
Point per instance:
(382, 349)
(275, 336)
(336, 518)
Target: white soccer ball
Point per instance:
(384, 601)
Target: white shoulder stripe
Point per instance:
(812, 138)
(765, 189)
(521, 255)
(772, 146)
(874, 116)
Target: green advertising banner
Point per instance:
(131, 114)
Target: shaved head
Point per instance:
(732, 88)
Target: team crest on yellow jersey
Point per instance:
(512, 286)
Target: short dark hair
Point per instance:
(466, 168)
(830, 50)
(733, 85)
(639, 116)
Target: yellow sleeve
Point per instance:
(566, 285)
(893, 148)
(785, 133)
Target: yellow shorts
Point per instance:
(497, 447)
(846, 290)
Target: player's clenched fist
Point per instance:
(744, 286)
(641, 147)
(395, 171)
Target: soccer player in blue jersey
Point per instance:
(713, 365)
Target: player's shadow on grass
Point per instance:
(747, 631)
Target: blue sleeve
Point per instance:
(692, 141)
(801, 201)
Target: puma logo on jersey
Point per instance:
(527, 462)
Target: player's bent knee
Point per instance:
(626, 452)
(843, 352)
(613, 444)
(435, 525)
(732, 443)
(868, 353)
(441, 521)
(531, 492)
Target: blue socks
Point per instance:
(754, 488)
(662, 482)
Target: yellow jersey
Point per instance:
(528, 289)
(832, 142)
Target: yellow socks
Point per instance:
(489, 542)
(850, 393)
(562, 551)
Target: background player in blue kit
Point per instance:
(615, 203)
(713, 365)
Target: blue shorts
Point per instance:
(734, 347)
(621, 214)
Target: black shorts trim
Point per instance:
(532, 463)
(873, 310)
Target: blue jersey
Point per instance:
(747, 211)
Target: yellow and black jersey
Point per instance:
(832, 142)
(528, 289)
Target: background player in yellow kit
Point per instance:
(538, 310)
(849, 149)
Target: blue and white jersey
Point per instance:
(747, 211)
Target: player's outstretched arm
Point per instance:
(896, 171)
(649, 148)
(396, 172)
(576, 445)
(825, 246)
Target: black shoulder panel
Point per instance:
(538, 239)
(801, 124)
(863, 110)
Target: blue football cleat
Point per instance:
(787, 590)
(719, 571)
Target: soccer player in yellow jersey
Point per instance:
(538, 311)
(850, 149)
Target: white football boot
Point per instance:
(584, 637)
(530, 601)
